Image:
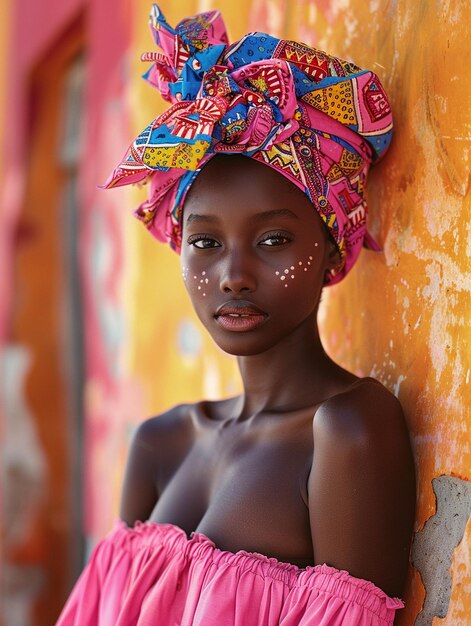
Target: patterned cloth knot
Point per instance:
(318, 120)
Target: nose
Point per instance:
(237, 275)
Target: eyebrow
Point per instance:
(258, 217)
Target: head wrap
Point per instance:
(318, 120)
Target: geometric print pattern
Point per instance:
(318, 120)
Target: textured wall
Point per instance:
(412, 318)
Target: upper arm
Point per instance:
(362, 487)
(139, 493)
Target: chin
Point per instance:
(242, 344)
(233, 351)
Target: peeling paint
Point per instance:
(24, 488)
(23, 463)
(397, 386)
(433, 546)
(21, 585)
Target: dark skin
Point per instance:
(310, 464)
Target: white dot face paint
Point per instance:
(202, 281)
(283, 274)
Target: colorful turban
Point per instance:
(318, 120)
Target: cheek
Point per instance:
(300, 271)
(196, 283)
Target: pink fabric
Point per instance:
(153, 575)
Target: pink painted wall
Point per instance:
(38, 450)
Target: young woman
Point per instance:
(292, 503)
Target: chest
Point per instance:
(244, 488)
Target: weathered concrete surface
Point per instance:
(434, 545)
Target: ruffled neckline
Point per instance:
(153, 533)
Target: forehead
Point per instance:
(228, 180)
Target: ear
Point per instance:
(333, 259)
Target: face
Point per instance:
(254, 254)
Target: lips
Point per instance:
(240, 315)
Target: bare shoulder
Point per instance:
(362, 485)
(153, 431)
(365, 411)
(158, 446)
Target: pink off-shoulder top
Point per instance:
(154, 575)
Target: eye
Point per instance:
(275, 239)
(206, 242)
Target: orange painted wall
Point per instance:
(410, 305)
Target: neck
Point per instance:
(291, 375)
